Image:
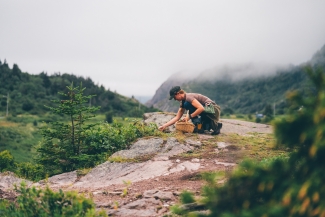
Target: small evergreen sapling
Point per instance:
(63, 148)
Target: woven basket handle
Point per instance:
(187, 116)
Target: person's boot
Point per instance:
(217, 130)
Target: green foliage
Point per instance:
(64, 148)
(228, 111)
(187, 197)
(30, 171)
(29, 93)
(268, 111)
(109, 117)
(27, 170)
(240, 116)
(100, 141)
(73, 144)
(109, 138)
(267, 119)
(43, 203)
(6, 161)
(282, 186)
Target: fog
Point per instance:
(132, 47)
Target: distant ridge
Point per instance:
(29, 93)
(251, 89)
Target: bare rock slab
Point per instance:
(59, 181)
(244, 127)
(115, 173)
(159, 118)
(140, 148)
(8, 180)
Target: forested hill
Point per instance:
(245, 95)
(29, 93)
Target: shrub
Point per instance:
(30, 171)
(109, 138)
(239, 116)
(109, 117)
(35, 123)
(267, 119)
(228, 110)
(27, 105)
(41, 203)
(6, 161)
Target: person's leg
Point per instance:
(198, 124)
(215, 124)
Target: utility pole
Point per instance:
(274, 109)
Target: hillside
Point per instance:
(29, 93)
(243, 92)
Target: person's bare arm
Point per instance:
(174, 120)
(199, 109)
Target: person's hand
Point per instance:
(161, 128)
(185, 119)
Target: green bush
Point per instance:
(240, 116)
(109, 117)
(43, 203)
(228, 110)
(267, 119)
(35, 123)
(6, 161)
(109, 138)
(30, 171)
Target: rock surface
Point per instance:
(8, 180)
(140, 148)
(159, 118)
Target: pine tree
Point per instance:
(63, 148)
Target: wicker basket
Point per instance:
(185, 127)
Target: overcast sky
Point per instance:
(132, 47)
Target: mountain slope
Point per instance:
(246, 88)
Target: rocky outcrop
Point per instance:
(8, 180)
(141, 148)
(110, 173)
(159, 118)
(59, 181)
